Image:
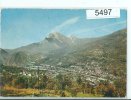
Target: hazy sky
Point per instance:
(20, 27)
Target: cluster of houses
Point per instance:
(90, 71)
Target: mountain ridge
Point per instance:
(57, 46)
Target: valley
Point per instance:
(68, 66)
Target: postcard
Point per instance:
(63, 53)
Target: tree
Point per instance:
(79, 80)
(110, 91)
(73, 92)
(106, 88)
(32, 82)
(43, 82)
(62, 94)
(120, 87)
(51, 84)
(22, 82)
(63, 81)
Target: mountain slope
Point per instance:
(3, 56)
(106, 50)
(53, 42)
(17, 59)
(57, 48)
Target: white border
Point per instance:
(78, 4)
(62, 3)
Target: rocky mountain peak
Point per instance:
(55, 35)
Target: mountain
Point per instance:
(57, 48)
(107, 49)
(3, 56)
(110, 46)
(17, 59)
(107, 53)
(59, 39)
(53, 42)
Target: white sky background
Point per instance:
(76, 4)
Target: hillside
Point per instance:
(57, 48)
(17, 59)
(62, 66)
(110, 48)
(3, 56)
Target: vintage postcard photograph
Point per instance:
(62, 53)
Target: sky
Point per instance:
(20, 27)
